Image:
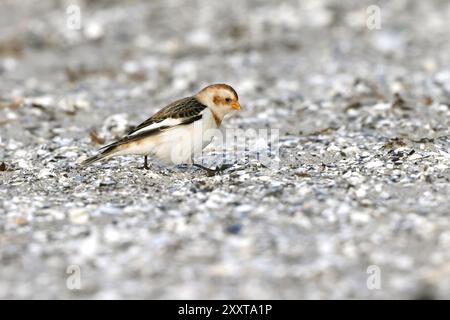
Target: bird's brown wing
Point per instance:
(181, 109)
(186, 110)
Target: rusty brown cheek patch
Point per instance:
(218, 100)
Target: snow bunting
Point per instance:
(178, 131)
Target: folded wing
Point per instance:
(180, 112)
(174, 114)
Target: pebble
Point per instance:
(94, 30)
(79, 216)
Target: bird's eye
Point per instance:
(228, 99)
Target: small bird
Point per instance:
(178, 131)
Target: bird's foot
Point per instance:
(223, 167)
(212, 172)
(145, 167)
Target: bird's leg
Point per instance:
(146, 167)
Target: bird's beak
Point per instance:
(235, 105)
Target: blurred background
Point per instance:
(158, 50)
(338, 84)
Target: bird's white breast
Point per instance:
(177, 145)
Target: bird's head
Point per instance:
(221, 98)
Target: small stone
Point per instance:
(41, 101)
(361, 193)
(374, 164)
(44, 173)
(21, 221)
(94, 31)
(234, 228)
(78, 216)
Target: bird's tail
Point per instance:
(106, 153)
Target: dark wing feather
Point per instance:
(183, 108)
(187, 109)
(146, 133)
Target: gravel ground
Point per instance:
(358, 192)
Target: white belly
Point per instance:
(176, 145)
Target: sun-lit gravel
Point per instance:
(361, 180)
